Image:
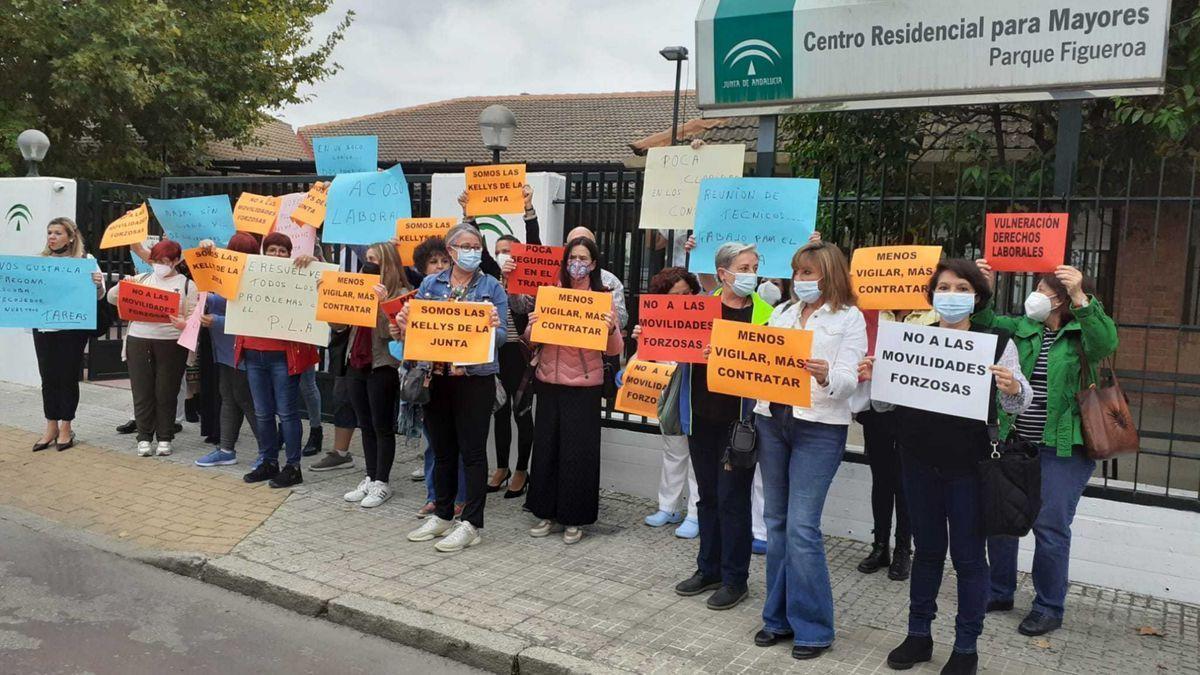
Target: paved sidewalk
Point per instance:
(604, 604)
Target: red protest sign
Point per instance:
(537, 266)
(676, 327)
(391, 308)
(1025, 242)
(138, 302)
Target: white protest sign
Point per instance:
(278, 300)
(673, 176)
(937, 369)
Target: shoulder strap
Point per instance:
(1084, 370)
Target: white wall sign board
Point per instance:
(547, 188)
(932, 368)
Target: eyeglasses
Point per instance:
(468, 248)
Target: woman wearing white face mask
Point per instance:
(1062, 319)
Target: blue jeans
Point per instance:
(274, 393)
(430, 494)
(1063, 481)
(944, 509)
(312, 396)
(798, 461)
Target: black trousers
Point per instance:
(208, 401)
(887, 486)
(155, 371)
(374, 395)
(237, 404)
(457, 417)
(565, 486)
(513, 365)
(60, 360)
(723, 511)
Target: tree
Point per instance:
(128, 89)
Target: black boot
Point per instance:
(912, 651)
(877, 560)
(191, 410)
(127, 428)
(315, 441)
(901, 565)
(961, 664)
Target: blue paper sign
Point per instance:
(362, 208)
(47, 292)
(346, 154)
(194, 219)
(778, 215)
(139, 265)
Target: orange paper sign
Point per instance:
(495, 189)
(571, 318)
(454, 332)
(760, 362)
(676, 327)
(893, 277)
(216, 270)
(348, 298)
(410, 232)
(643, 384)
(131, 228)
(255, 213)
(137, 302)
(1025, 242)
(536, 266)
(311, 211)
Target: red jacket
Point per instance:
(299, 355)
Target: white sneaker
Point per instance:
(572, 535)
(377, 493)
(145, 449)
(463, 536)
(164, 448)
(543, 528)
(432, 527)
(359, 493)
(418, 474)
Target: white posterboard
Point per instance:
(278, 300)
(937, 369)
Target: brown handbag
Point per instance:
(1107, 426)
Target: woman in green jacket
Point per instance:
(1062, 319)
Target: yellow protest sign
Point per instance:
(311, 211)
(454, 332)
(760, 362)
(216, 270)
(495, 189)
(893, 277)
(571, 318)
(131, 228)
(643, 384)
(255, 213)
(348, 298)
(410, 232)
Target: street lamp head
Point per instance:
(496, 125)
(674, 53)
(34, 145)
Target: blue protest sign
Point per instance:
(194, 219)
(47, 292)
(362, 208)
(778, 215)
(346, 154)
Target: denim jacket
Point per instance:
(482, 288)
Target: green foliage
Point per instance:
(128, 89)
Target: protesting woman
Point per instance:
(800, 449)
(1062, 322)
(156, 361)
(939, 464)
(60, 352)
(461, 398)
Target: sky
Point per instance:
(399, 53)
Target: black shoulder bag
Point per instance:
(1010, 478)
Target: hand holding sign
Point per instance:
(760, 362)
(456, 332)
(932, 368)
(1025, 242)
(130, 228)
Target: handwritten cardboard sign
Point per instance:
(495, 189)
(455, 332)
(216, 270)
(536, 266)
(277, 299)
(391, 308)
(47, 292)
(131, 228)
(348, 298)
(571, 318)
(1025, 242)
(672, 183)
(345, 154)
(934, 368)
(311, 210)
(304, 237)
(642, 386)
(893, 277)
(190, 335)
(363, 207)
(777, 215)
(676, 327)
(191, 220)
(255, 213)
(760, 362)
(410, 232)
(138, 302)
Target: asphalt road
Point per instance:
(71, 609)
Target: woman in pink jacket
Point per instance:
(564, 489)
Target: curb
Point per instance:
(269, 585)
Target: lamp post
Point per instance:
(678, 55)
(34, 145)
(496, 125)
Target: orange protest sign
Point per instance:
(571, 318)
(131, 228)
(216, 270)
(644, 382)
(455, 332)
(495, 189)
(348, 298)
(311, 211)
(137, 302)
(410, 232)
(893, 277)
(676, 327)
(255, 213)
(1025, 242)
(536, 266)
(760, 362)
(391, 308)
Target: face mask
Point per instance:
(502, 259)
(954, 307)
(578, 269)
(807, 292)
(1038, 307)
(744, 283)
(163, 271)
(60, 251)
(469, 259)
(769, 292)
(370, 268)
